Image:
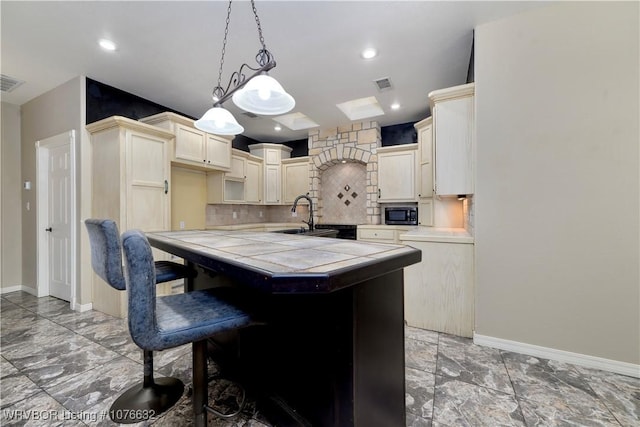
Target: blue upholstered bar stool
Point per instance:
(158, 323)
(151, 394)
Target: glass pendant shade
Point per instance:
(264, 95)
(219, 121)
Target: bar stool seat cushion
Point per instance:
(189, 317)
(158, 323)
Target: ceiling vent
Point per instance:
(250, 114)
(383, 84)
(9, 83)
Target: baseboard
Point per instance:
(624, 368)
(16, 288)
(82, 307)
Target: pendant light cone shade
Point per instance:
(264, 95)
(219, 121)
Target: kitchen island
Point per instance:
(331, 351)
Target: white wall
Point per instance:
(557, 202)
(55, 112)
(11, 239)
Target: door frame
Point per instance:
(42, 200)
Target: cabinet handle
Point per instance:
(166, 186)
(379, 193)
(48, 229)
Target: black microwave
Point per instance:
(401, 216)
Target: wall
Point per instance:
(52, 113)
(188, 198)
(557, 200)
(11, 222)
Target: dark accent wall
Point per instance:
(403, 133)
(105, 101)
(470, 71)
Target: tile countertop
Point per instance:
(286, 263)
(434, 234)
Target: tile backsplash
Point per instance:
(343, 194)
(223, 214)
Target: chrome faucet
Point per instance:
(295, 204)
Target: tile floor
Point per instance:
(68, 367)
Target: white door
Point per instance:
(56, 202)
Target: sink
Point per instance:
(305, 232)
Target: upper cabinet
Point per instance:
(295, 178)
(272, 154)
(241, 184)
(396, 173)
(454, 135)
(194, 147)
(424, 129)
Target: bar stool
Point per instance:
(152, 394)
(158, 323)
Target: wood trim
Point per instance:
(124, 122)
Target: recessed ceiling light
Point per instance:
(107, 44)
(395, 106)
(277, 127)
(369, 53)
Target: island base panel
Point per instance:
(335, 359)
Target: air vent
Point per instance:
(250, 114)
(9, 83)
(383, 83)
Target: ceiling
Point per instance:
(169, 52)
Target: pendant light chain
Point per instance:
(255, 13)
(224, 47)
(264, 56)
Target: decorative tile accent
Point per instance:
(330, 150)
(347, 202)
(340, 195)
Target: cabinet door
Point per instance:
(237, 168)
(190, 144)
(396, 176)
(438, 292)
(295, 180)
(253, 183)
(454, 124)
(148, 205)
(425, 139)
(272, 184)
(425, 212)
(218, 152)
(271, 156)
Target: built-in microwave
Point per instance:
(401, 215)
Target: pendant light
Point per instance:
(258, 93)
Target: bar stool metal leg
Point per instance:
(200, 383)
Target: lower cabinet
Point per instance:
(439, 291)
(381, 233)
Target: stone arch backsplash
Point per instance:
(356, 143)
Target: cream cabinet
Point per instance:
(424, 130)
(397, 173)
(295, 178)
(454, 135)
(131, 185)
(272, 155)
(241, 184)
(439, 291)
(193, 147)
(381, 233)
(253, 184)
